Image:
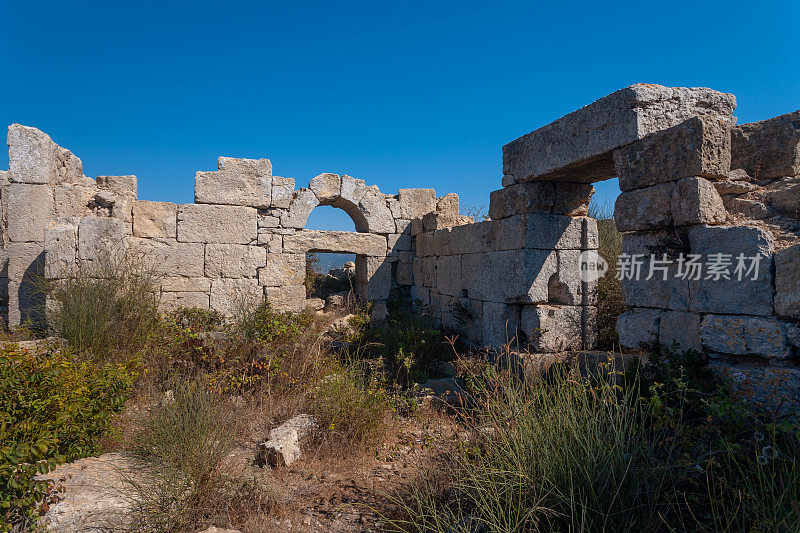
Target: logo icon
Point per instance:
(592, 266)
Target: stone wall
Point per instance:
(694, 184)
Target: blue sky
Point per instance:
(401, 94)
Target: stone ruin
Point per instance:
(693, 183)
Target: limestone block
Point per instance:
(464, 316)
(775, 389)
(478, 237)
(30, 209)
(729, 186)
(414, 203)
(732, 296)
(448, 275)
(500, 325)
(101, 239)
(72, 200)
(61, 248)
(579, 145)
(234, 260)
(398, 243)
(246, 182)
(425, 271)
(376, 211)
(231, 295)
(374, 275)
(170, 257)
(171, 301)
(155, 219)
(282, 190)
(221, 224)
(420, 297)
(680, 330)
(787, 282)
(644, 209)
(745, 335)
(122, 185)
(282, 270)
(403, 226)
(572, 199)
(352, 189)
(181, 284)
(768, 149)
(696, 201)
(425, 244)
(122, 208)
(435, 221)
(441, 242)
(565, 286)
(558, 328)
(448, 204)
(286, 299)
(303, 202)
(326, 186)
(516, 276)
(520, 199)
(700, 146)
(405, 273)
(557, 232)
(783, 195)
(32, 156)
(751, 209)
(272, 241)
(335, 242)
(657, 292)
(25, 260)
(268, 221)
(638, 328)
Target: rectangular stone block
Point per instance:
(30, 210)
(645, 209)
(448, 275)
(374, 277)
(61, 248)
(101, 239)
(566, 286)
(220, 224)
(464, 317)
(557, 232)
(282, 270)
(437, 221)
(32, 155)
(181, 284)
(516, 276)
(680, 331)
(73, 200)
(656, 292)
(696, 201)
(273, 242)
(478, 237)
(286, 299)
(171, 301)
(733, 296)
(559, 328)
(155, 219)
(500, 325)
(245, 182)
(521, 199)
(335, 242)
(425, 271)
(699, 146)
(424, 244)
(768, 149)
(420, 298)
(404, 273)
(170, 257)
(234, 260)
(441, 242)
(787, 282)
(449, 203)
(229, 296)
(577, 147)
(638, 328)
(414, 203)
(25, 260)
(745, 335)
(282, 189)
(572, 199)
(399, 243)
(122, 185)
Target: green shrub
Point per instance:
(53, 408)
(109, 307)
(609, 289)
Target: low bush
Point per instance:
(108, 308)
(609, 289)
(53, 408)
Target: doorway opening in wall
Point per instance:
(609, 290)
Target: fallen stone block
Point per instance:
(768, 149)
(776, 389)
(579, 145)
(645, 209)
(234, 260)
(696, 201)
(700, 146)
(283, 446)
(245, 182)
(638, 328)
(784, 196)
(155, 219)
(220, 224)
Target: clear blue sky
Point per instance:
(401, 94)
